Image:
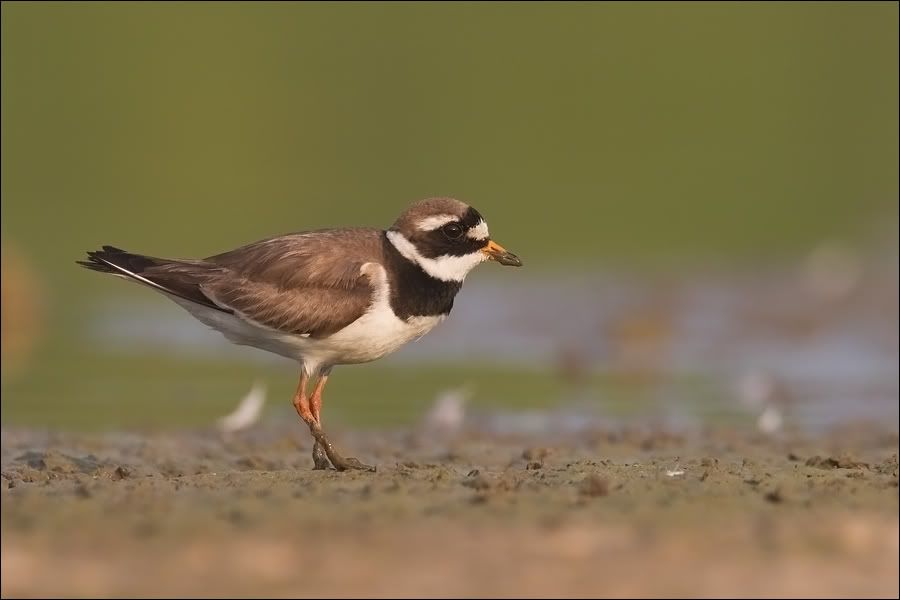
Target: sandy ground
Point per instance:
(626, 513)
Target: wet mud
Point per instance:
(623, 512)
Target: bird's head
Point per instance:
(446, 238)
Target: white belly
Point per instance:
(375, 334)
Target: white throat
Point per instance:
(445, 268)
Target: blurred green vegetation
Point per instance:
(598, 134)
(121, 391)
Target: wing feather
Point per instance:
(306, 283)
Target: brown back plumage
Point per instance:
(300, 283)
(304, 283)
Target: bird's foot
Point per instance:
(350, 463)
(320, 458)
(323, 446)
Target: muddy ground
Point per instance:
(636, 513)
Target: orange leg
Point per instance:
(309, 410)
(315, 401)
(301, 403)
(320, 457)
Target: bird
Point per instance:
(326, 297)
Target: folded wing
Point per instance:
(304, 283)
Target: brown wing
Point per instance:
(305, 283)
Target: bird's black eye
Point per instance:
(452, 230)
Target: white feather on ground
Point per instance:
(770, 420)
(448, 412)
(247, 412)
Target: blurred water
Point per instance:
(762, 339)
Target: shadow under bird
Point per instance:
(326, 297)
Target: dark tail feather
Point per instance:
(109, 257)
(95, 266)
(178, 282)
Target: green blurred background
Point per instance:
(604, 136)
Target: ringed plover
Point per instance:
(326, 297)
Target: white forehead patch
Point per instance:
(435, 222)
(479, 232)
